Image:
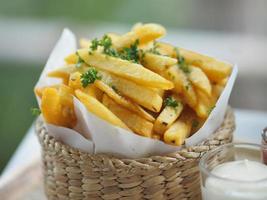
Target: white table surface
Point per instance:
(249, 126)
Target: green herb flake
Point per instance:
(195, 123)
(170, 101)
(131, 53)
(35, 111)
(210, 109)
(181, 62)
(94, 44)
(80, 62)
(154, 49)
(115, 89)
(89, 77)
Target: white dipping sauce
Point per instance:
(243, 173)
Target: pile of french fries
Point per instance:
(138, 83)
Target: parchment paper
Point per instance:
(94, 135)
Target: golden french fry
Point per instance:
(93, 91)
(85, 43)
(136, 123)
(97, 108)
(57, 107)
(113, 94)
(216, 70)
(148, 32)
(50, 106)
(217, 90)
(167, 116)
(71, 59)
(223, 82)
(146, 97)
(144, 33)
(179, 131)
(75, 81)
(181, 84)
(65, 71)
(66, 99)
(61, 75)
(39, 91)
(166, 49)
(126, 69)
(204, 105)
(157, 63)
(126, 40)
(199, 80)
(160, 92)
(146, 46)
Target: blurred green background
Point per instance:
(29, 29)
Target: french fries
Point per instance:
(205, 104)
(135, 82)
(146, 97)
(113, 94)
(158, 63)
(214, 69)
(166, 49)
(123, 68)
(61, 75)
(136, 123)
(97, 108)
(179, 131)
(181, 84)
(199, 80)
(167, 116)
(148, 32)
(57, 106)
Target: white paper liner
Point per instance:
(94, 135)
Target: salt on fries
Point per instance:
(135, 82)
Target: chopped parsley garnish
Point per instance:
(89, 77)
(35, 111)
(169, 101)
(79, 62)
(195, 123)
(106, 43)
(154, 49)
(210, 109)
(128, 53)
(94, 44)
(181, 62)
(131, 53)
(115, 89)
(142, 55)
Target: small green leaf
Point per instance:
(169, 101)
(80, 62)
(181, 62)
(211, 109)
(35, 111)
(89, 77)
(94, 44)
(195, 123)
(131, 53)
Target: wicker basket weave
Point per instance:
(72, 174)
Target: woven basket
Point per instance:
(72, 174)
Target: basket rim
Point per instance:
(224, 132)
